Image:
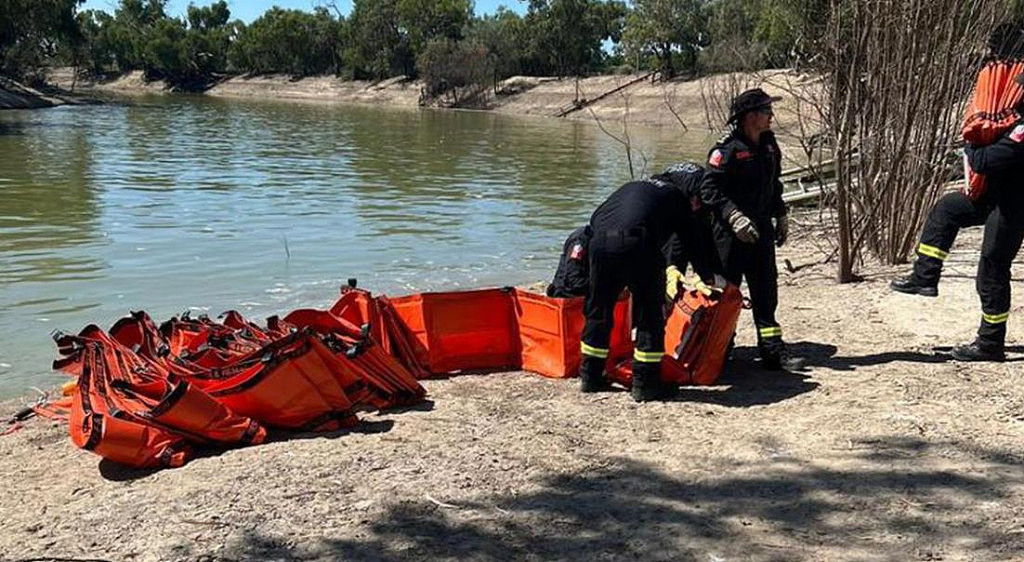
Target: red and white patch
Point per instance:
(1017, 135)
(577, 252)
(744, 155)
(695, 203)
(715, 161)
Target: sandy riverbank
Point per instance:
(882, 451)
(696, 104)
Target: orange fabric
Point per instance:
(285, 384)
(991, 112)
(549, 332)
(460, 331)
(131, 410)
(697, 335)
(389, 383)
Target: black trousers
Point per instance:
(755, 263)
(1004, 232)
(951, 213)
(621, 259)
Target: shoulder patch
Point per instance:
(577, 252)
(1017, 135)
(716, 158)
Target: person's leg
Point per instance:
(606, 282)
(647, 286)
(951, 213)
(1002, 241)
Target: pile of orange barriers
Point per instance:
(147, 395)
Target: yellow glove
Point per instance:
(716, 286)
(673, 278)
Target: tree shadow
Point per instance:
(116, 472)
(862, 505)
(824, 355)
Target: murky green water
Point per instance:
(170, 204)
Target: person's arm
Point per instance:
(713, 187)
(1000, 156)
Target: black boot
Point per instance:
(646, 382)
(979, 351)
(910, 285)
(780, 359)
(592, 377)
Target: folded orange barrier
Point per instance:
(991, 112)
(390, 383)
(377, 316)
(290, 383)
(461, 331)
(549, 332)
(133, 411)
(697, 336)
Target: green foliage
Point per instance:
(459, 70)
(289, 41)
(31, 31)
(378, 47)
(566, 37)
(501, 36)
(668, 29)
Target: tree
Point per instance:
(378, 47)
(458, 70)
(501, 37)
(667, 28)
(423, 20)
(566, 37)
(31, 31)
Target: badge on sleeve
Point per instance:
(577, 252)
(716, 158)
(1017, 135)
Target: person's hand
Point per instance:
(743, 227)
(715, 285)
(673, 278)
(781, 230)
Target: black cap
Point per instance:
(750, 100)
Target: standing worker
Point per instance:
(1003, 164)
(953, 212)
(628, 233)
(743, 191)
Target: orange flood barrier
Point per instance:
(991, 112)
(461, 331)
(131, 410)
(549, 333)
(697, 335)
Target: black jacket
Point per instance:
(1002, 164)
(744, 176)
(665, 207)
(573, 274)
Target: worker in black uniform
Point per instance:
(628, 233)
(744, 194)
(951, 213)
(1003, 165)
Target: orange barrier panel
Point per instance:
(458, 331)
(549, 333)
(990, 113)
(697, 335)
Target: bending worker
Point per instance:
(743, 191)
(1003, 164)
(628, 232)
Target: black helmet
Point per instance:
(748, 101)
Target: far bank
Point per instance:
(613, 100)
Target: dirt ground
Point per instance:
(883, 450)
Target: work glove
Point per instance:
(717, 285)
(673, 278)
(743, 227)
(781, 230)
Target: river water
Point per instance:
(169, 204)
